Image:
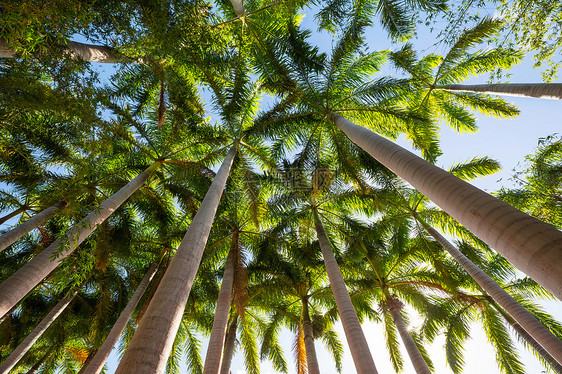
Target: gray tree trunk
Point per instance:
(229, 347)
(24, 346)
(394, 306)
(151, 345)
(532, 245)
(37, 220)
(538, 90)
(354, 334)
(11, 215)
(523, 317)
(96, 365)
(238, 6)
(218, 331)
(84, 51)
(13, 289)
(311, 356)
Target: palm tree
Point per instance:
(95, 365)
(25, 279)
(536, 245)
(45, 323)
(37, 220)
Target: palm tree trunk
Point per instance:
(394, 306)
(12, 215)
(238, 7)
(86, 52)
(13, 289)
(89, 359)
(529, 339)
(311, 357)
(532, 245)
(523, 317)
(151, 345)
(218, 331)
(354, 334)
(96, 365)
(37, 220)
(229, 346)
(39, 363)
(538, 90)
(24, 346)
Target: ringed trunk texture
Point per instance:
(523, 317)
(354, 334)
(311, 357)
(533, 246)
(151, 345)
(37, 220)
(529, 339)
(218, 331)
(229, 346)
(13, 289)
(24, 346)
(394, 306)
(95, 366)
(84, 51)
(538, 90)
(11, 215)
(537, 347)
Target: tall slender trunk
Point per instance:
(394, 306)
(96, 365)
(229, 346)
(151, 345)
(529, 339)
(89, 359)
(12, 214)
(311, 357)
(532, 245)
(37, 220)
(40, 362)
(523, 317)
(354, 334)
(218, 331)
(13, 289)
(24, 346)
(86, 52)
(538, 90)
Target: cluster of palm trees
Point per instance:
(128, 211)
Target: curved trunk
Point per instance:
(95, 366)
(523, 317)
(538, 90)
(37, 220)
(13, 289)
(151, 345)
(24, 346)
(394, 306)
(531, 245)
(229, 346)
(354, 334)
(84, 51)
(218, 331)
(311, 357)
(11, 215)
(529, 339)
